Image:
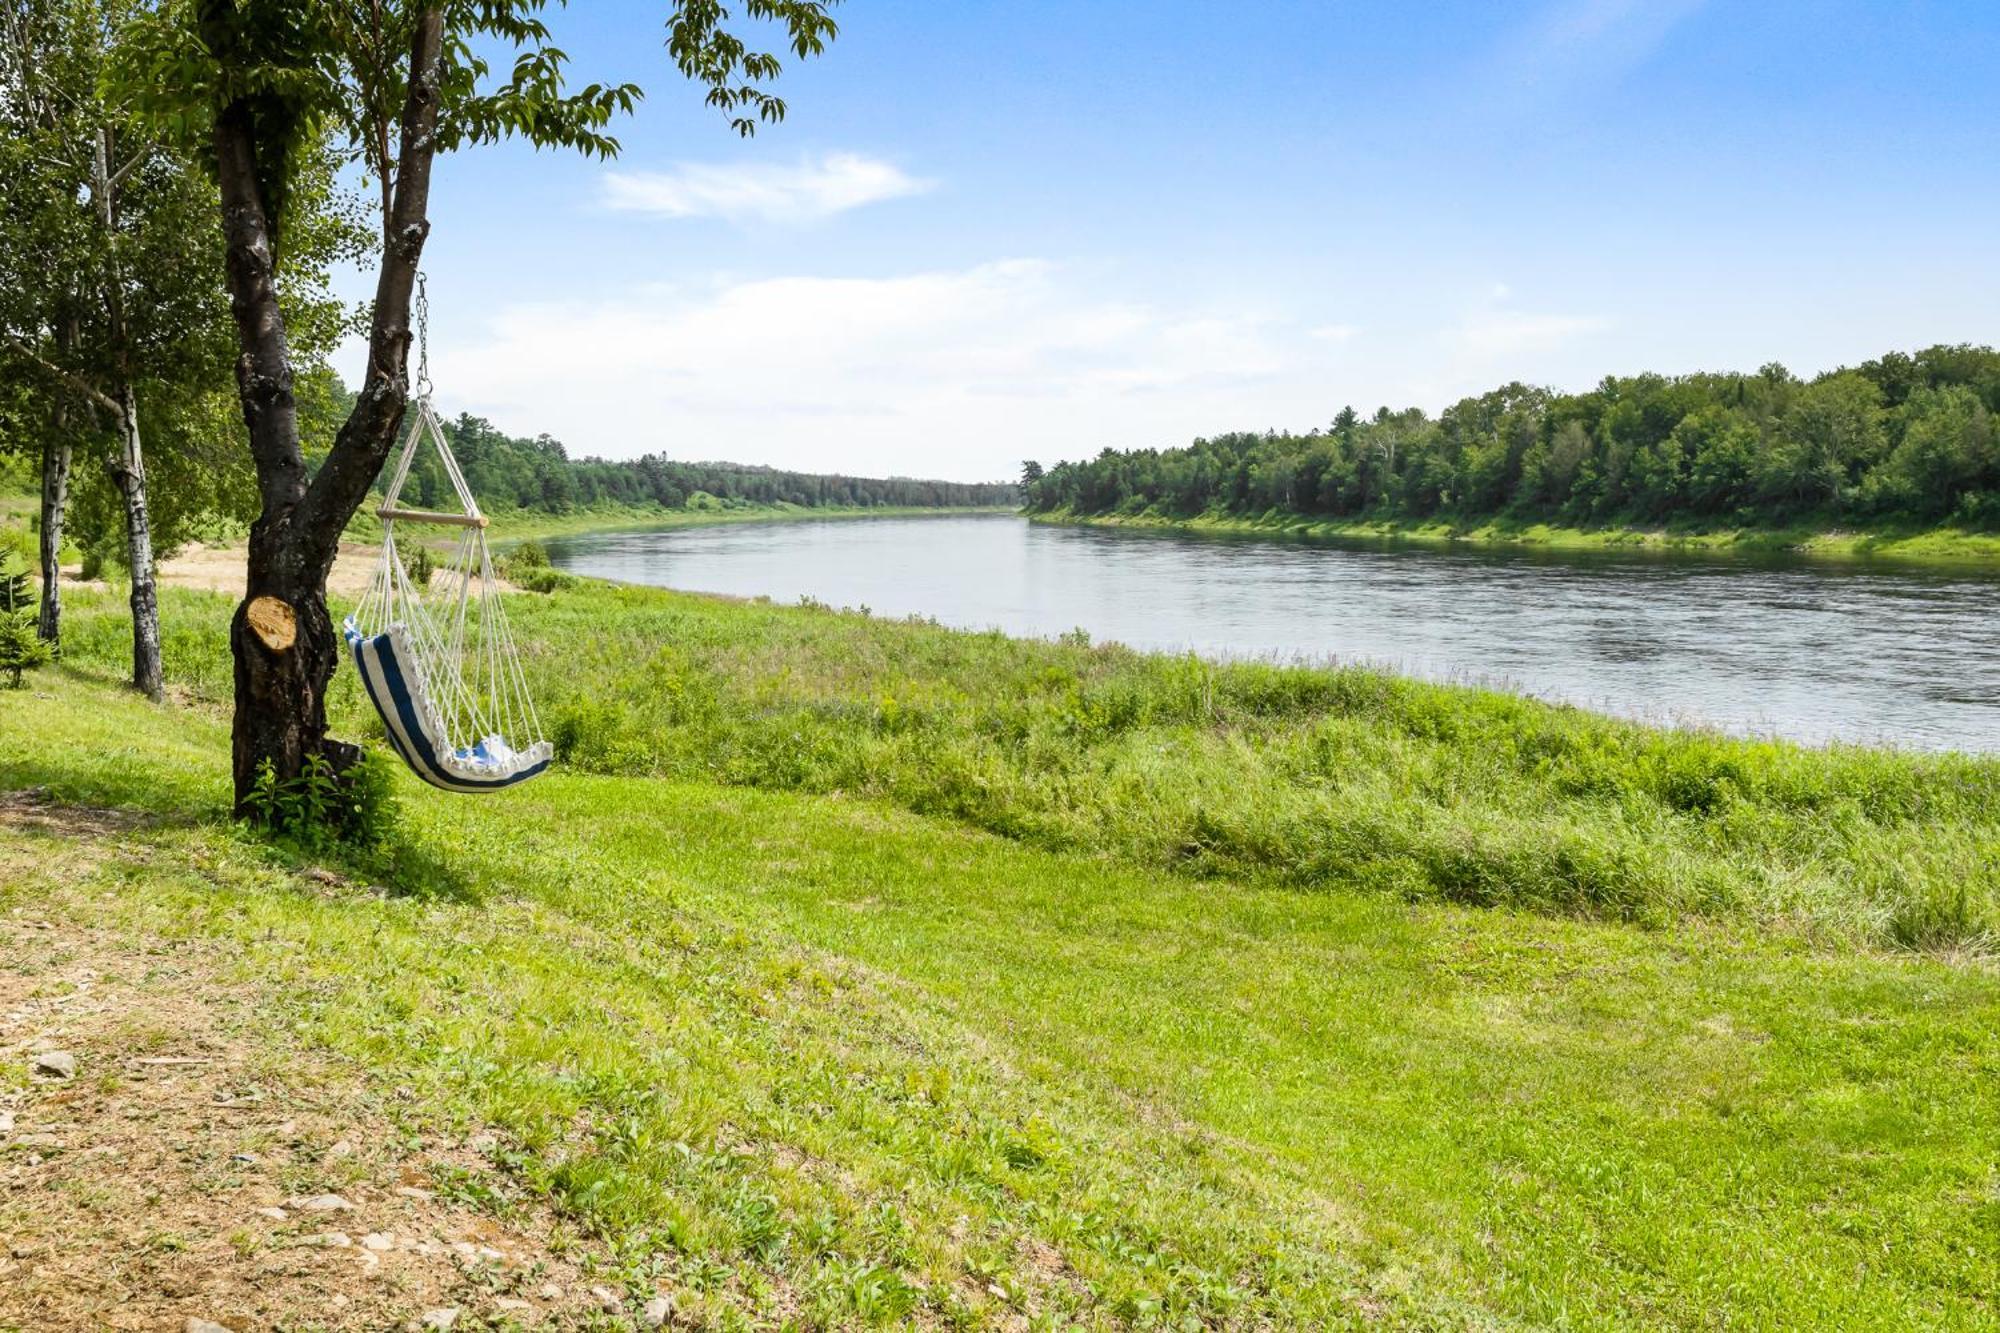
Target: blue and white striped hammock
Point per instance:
(438, 661)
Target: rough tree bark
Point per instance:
(128, 472)
(55, 504)
(282, 637)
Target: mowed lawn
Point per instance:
(819, 1059)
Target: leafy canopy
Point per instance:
(304, 69)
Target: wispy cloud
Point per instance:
(1494, 331)
(1576, 42)
(801, 192)
(951, 371)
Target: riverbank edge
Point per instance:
(1943, 545)
(512, 526)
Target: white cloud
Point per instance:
(1492, 332)
(953, 373)
(737, 192)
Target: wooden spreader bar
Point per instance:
(432, 516)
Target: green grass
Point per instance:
(818, 1058)
(1309, 778)
(1901, 542)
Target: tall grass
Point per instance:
(1313, 777)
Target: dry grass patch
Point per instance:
(198, 1165)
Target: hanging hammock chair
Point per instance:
(437, 660)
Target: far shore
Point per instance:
(1942, 545)
(526, 525)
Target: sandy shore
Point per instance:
(222, 569)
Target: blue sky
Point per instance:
(993, 230)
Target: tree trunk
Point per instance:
(285, 647)
(55, 503)
(128, 464)
(128, 472)
(56, 460)
(282, 638)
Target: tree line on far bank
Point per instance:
(1908, 437)
(506, 471)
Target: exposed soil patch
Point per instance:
(32, 810)
(223, 569)
(185, 1163)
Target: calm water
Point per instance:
(1807, 650)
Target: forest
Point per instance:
(1908, 437)
(538, 474)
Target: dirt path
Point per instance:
(186, 1163)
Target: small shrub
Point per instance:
(545, 580)
(319, 808)
(528, 555)
(528, 566)
(105, 557)
(21, 649)
(417, 561)
(19, 542)
(593, 735)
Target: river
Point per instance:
(1811, 650)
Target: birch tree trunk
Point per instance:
(55, 504)
(127, 464)
(128, 473)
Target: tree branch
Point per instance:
(69, 377)
(118, 176)
(369, 432)
(263, 364)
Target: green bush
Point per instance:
(545, 580)
(21, 649)
(530, 554)
(21, 544)
(320, 809)
(417, 560)
(107, 557)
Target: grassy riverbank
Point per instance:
(1936, 544)
(810, 1055)
(1314, 778)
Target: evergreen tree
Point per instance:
(21, 648)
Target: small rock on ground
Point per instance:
(438, 1319)
(206, 1326)
(657, 1312)
(320, 1203)
(56, 1064)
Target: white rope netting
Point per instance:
(462, 650)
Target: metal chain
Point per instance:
(423, 384)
